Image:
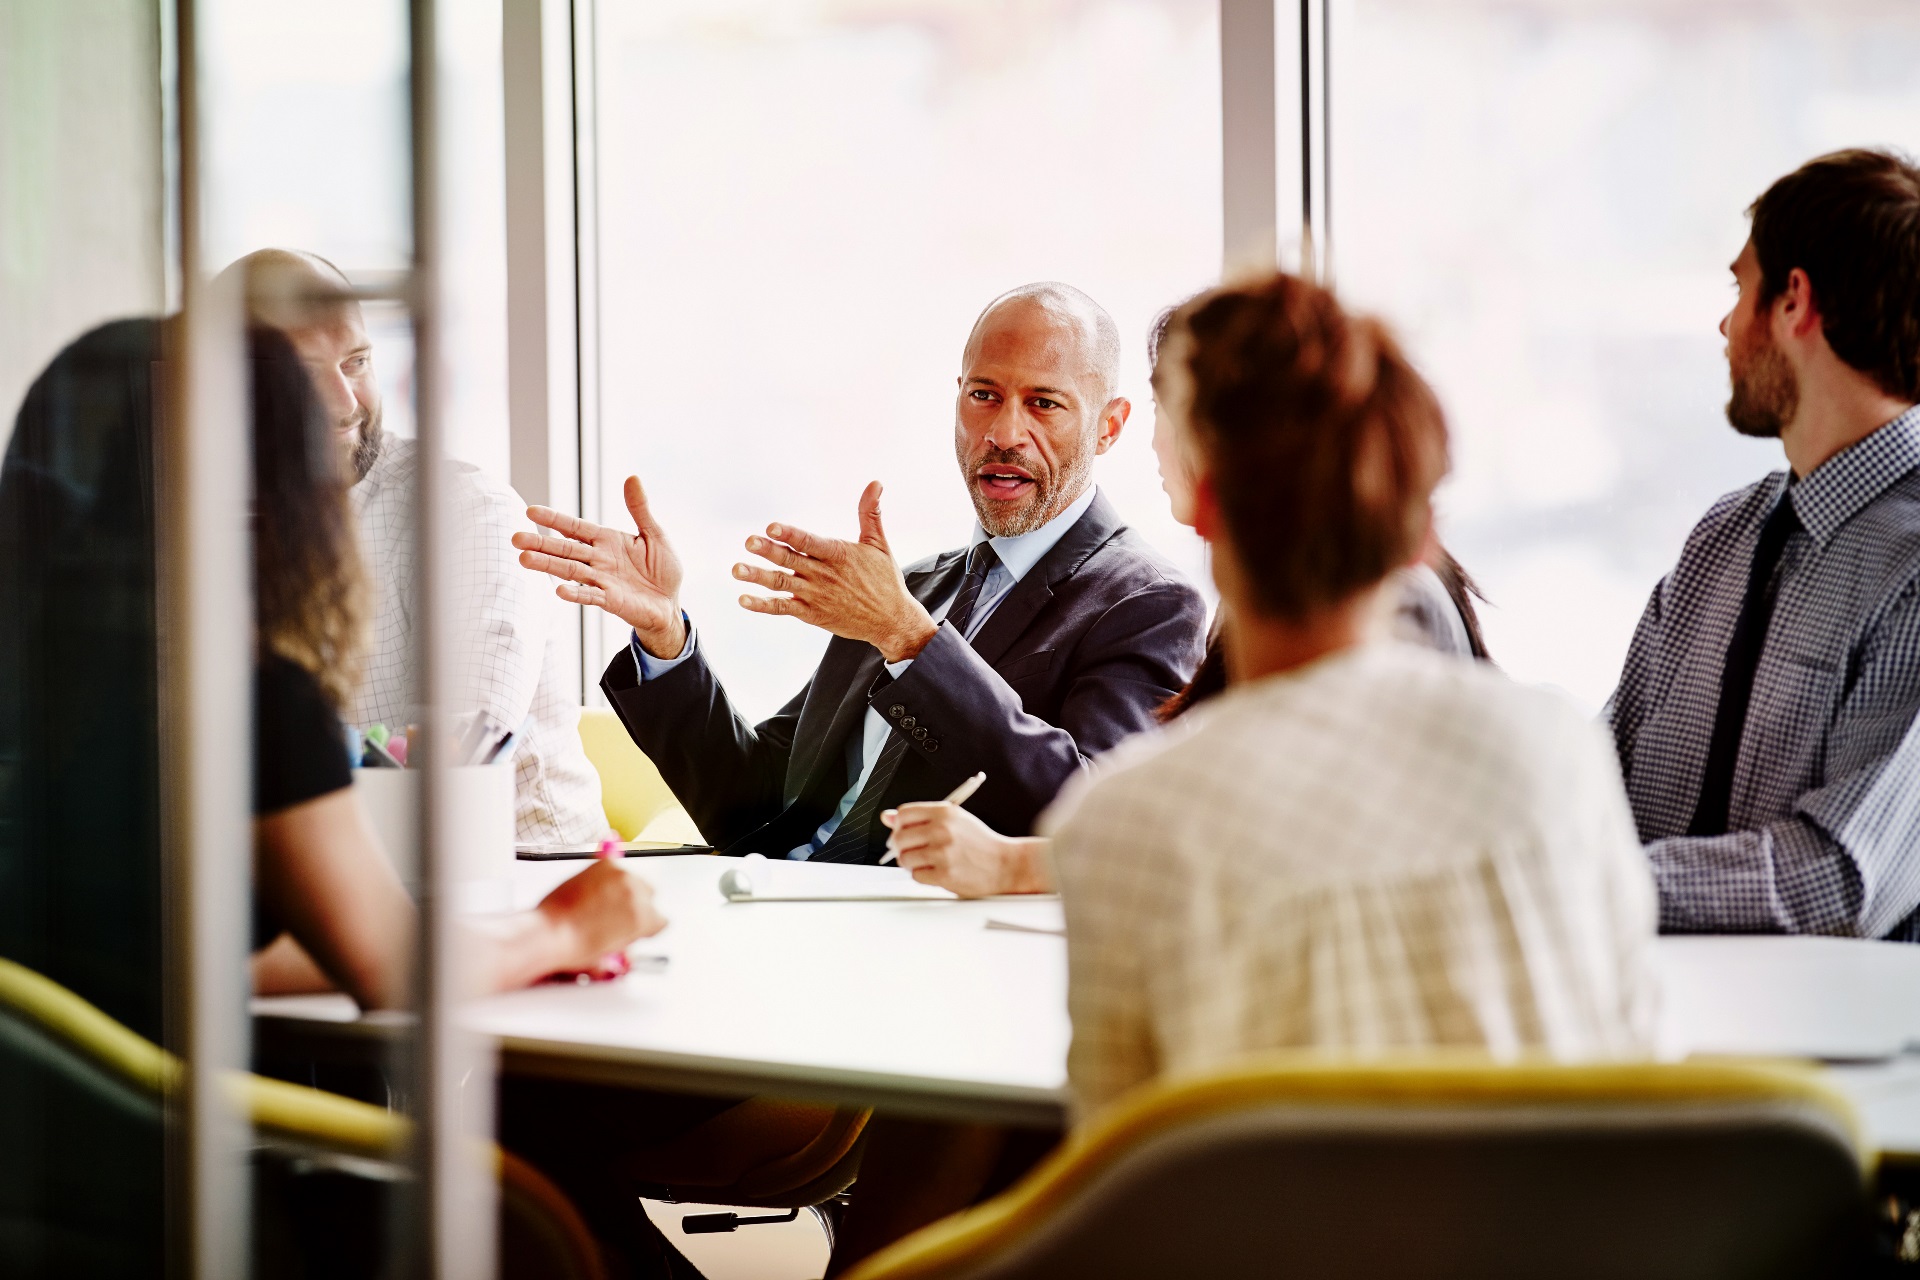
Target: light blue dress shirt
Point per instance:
(1017, 556)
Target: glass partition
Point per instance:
(196, 587)
(82, 254)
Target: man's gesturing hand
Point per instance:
(633, 576)
(853, 589)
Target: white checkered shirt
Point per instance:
(504, 647)
(1388, 849)
(1824, 821)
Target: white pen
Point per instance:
(959, 795)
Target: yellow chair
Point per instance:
(1449, 1167)
(543, 1234)
(638, 802)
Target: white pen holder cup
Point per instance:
(478, 818)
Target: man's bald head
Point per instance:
(1038, 402)
(1070, 311)
(290, 289)
(312, 302)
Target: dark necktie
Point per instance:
(1736, 677)
(853, 840)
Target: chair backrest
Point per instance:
(43, 1023)
(1313, 1170)
(631, 788)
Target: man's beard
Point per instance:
(1053, 491)
(1766, 394)
(368, 443)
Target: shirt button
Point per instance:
(895, 711)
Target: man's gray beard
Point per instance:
(1048, 501)
(366, 450)
(1765, 394)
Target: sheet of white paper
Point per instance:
(828, 880)
(1041, 915)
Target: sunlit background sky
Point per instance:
(804, 203)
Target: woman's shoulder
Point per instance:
(282, 685)
(299, 748)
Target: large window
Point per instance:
(803, 206)
(308, 149)
(1544, 196)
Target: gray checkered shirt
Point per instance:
(505, 642)
(1824, 821)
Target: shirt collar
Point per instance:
(1839, 487)
(395, 463)
(1021, 552)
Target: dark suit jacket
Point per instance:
(1075, 658)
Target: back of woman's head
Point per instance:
(309, 587)
(1321, 443)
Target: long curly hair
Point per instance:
(309, 583)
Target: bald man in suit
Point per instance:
(1046, 639)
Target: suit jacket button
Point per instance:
(908, 722)
(919, 735)
(933, 744)
(895, 711)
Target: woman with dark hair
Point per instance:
(83, 885)
(80, 867)
(331, 911)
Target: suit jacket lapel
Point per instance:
(837, 702)
(1023, 604)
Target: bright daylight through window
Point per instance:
(1544, 196)
(803, 206)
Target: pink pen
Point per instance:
(614, 964)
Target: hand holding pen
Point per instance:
(957, 797)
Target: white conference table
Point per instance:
(919, 1007)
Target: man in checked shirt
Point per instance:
(1766, 716)
(505, 642)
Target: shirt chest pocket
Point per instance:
(1792, 707)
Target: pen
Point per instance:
(472, 738)
(378, 757)
(959, 795)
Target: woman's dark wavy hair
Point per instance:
(310, 595)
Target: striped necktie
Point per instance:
(854, 840)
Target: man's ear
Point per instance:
(1208, 521)
(1113, 420)
(1795, 309)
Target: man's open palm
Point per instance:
(633, 576)
(853, 589)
